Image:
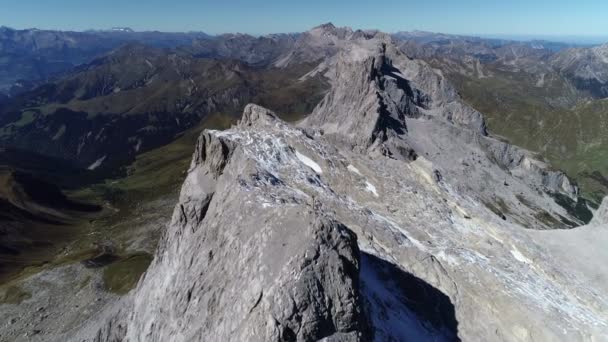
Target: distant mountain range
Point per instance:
(154, 85)
(32, 56)
(140, 97)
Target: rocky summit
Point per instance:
(389, 214)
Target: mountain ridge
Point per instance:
(434, 219)
(151, 94)
(389, 213)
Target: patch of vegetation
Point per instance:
(13, 294)
(524, 201)
(576, 209)
(550, 221)
(498, 207)
(122, 276)
(552, 119)
(154, 173)
(27, 117)
(291, 100)
(153, 178)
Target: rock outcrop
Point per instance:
(367, 105)
(376, 90)
(228, 270)
(368, 63)
(523, 164)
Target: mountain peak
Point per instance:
(326, 26)
(256, 115)
(328, 29)
(368, 103)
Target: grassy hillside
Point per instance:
(37, 221)
(138, 98)
(546, 118)
(120, 239)
(140, 111)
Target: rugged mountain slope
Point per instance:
(103, 254)
(586, 68)
(389, 213)
(262, 242)
(528, 96)
(475, 43)
(259, 51)
(35, 219)
(268, 172)
(137, 98)
(36, 55)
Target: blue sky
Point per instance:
(510, 17)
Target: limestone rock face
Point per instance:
(367, 106)
(522, 163)
(375, 86)
(256, 115)
(228, 269)
(378, 92)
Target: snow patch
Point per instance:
(520, 257)
(138, 146)
(541, 81)
(353, 169)
(371, 188)
(59, 133)
(97, 163)
(451, 260)
(309, 162)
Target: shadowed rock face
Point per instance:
(368, 104)
(404, 307)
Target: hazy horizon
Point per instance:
(574, 39)
(559, 18)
